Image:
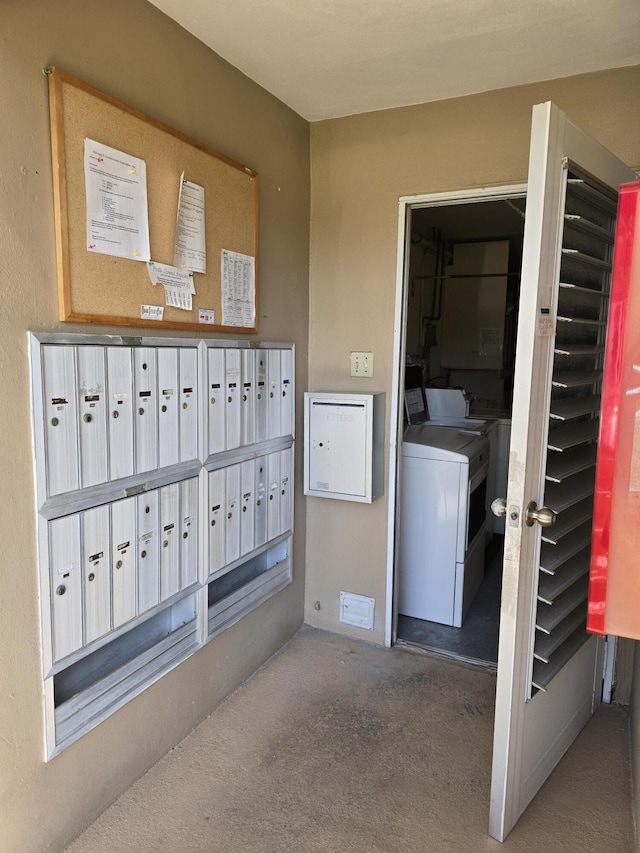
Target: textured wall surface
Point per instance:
(128, 49)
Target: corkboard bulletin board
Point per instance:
(98, 288)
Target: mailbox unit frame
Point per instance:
(111, 648)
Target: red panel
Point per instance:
(615, 549)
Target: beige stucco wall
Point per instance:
(361, 165)
(129, 49)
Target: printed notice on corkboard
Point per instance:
(134, 245)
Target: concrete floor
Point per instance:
(336, 745)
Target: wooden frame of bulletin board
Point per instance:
(101, 288)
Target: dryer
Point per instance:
(442, 522)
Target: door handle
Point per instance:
(499, 507)
(543, 515)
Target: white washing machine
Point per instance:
(442, 522)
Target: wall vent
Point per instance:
(357, 610)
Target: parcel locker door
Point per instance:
(273, 391)
(92, 411)
(247, 400)
(96, 573)
(146, 406)
(260, 491)
(273, 502)
(286, 392)
(66, 585)
(148, 551)
(217, 519)
(168, 397)
(188, 532)
(61, 419)
(247, 516)
(120, 411)
(232, 383)
(260, 396)
(286, 495)
(170, 540)
(188, 410)
(123, 560)
(232, 521)
(217, 398)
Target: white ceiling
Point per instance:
(329, 58)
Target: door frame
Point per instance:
(405, 205)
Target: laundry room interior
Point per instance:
(463, 284)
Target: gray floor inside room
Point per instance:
(477, 640)
(336, 745)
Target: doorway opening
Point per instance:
(463, 261)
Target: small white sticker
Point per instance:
(546, 323)
(207, 315)
(151, 312)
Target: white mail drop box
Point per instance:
(344, 446)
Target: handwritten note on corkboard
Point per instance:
(102, 288)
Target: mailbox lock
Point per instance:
(143, 554)
(213, 399)
(258, 503)
(116, 413)
(146, 509)
(229, 399)
(244, 398)
(284, 393)
(271, 395)
(141, 411)
(185, 535)
(87, 418)
(229, 514)
(92, 577)
(165, 544)
(213, 523)
(259, 396)
(164, 408)
(119, 564)
(144, 365)
(185, 405)
(61, 589)
(244, 509)
(270, 497)
(54, 421)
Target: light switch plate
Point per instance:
(362, 364)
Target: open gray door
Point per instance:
(549, 668)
